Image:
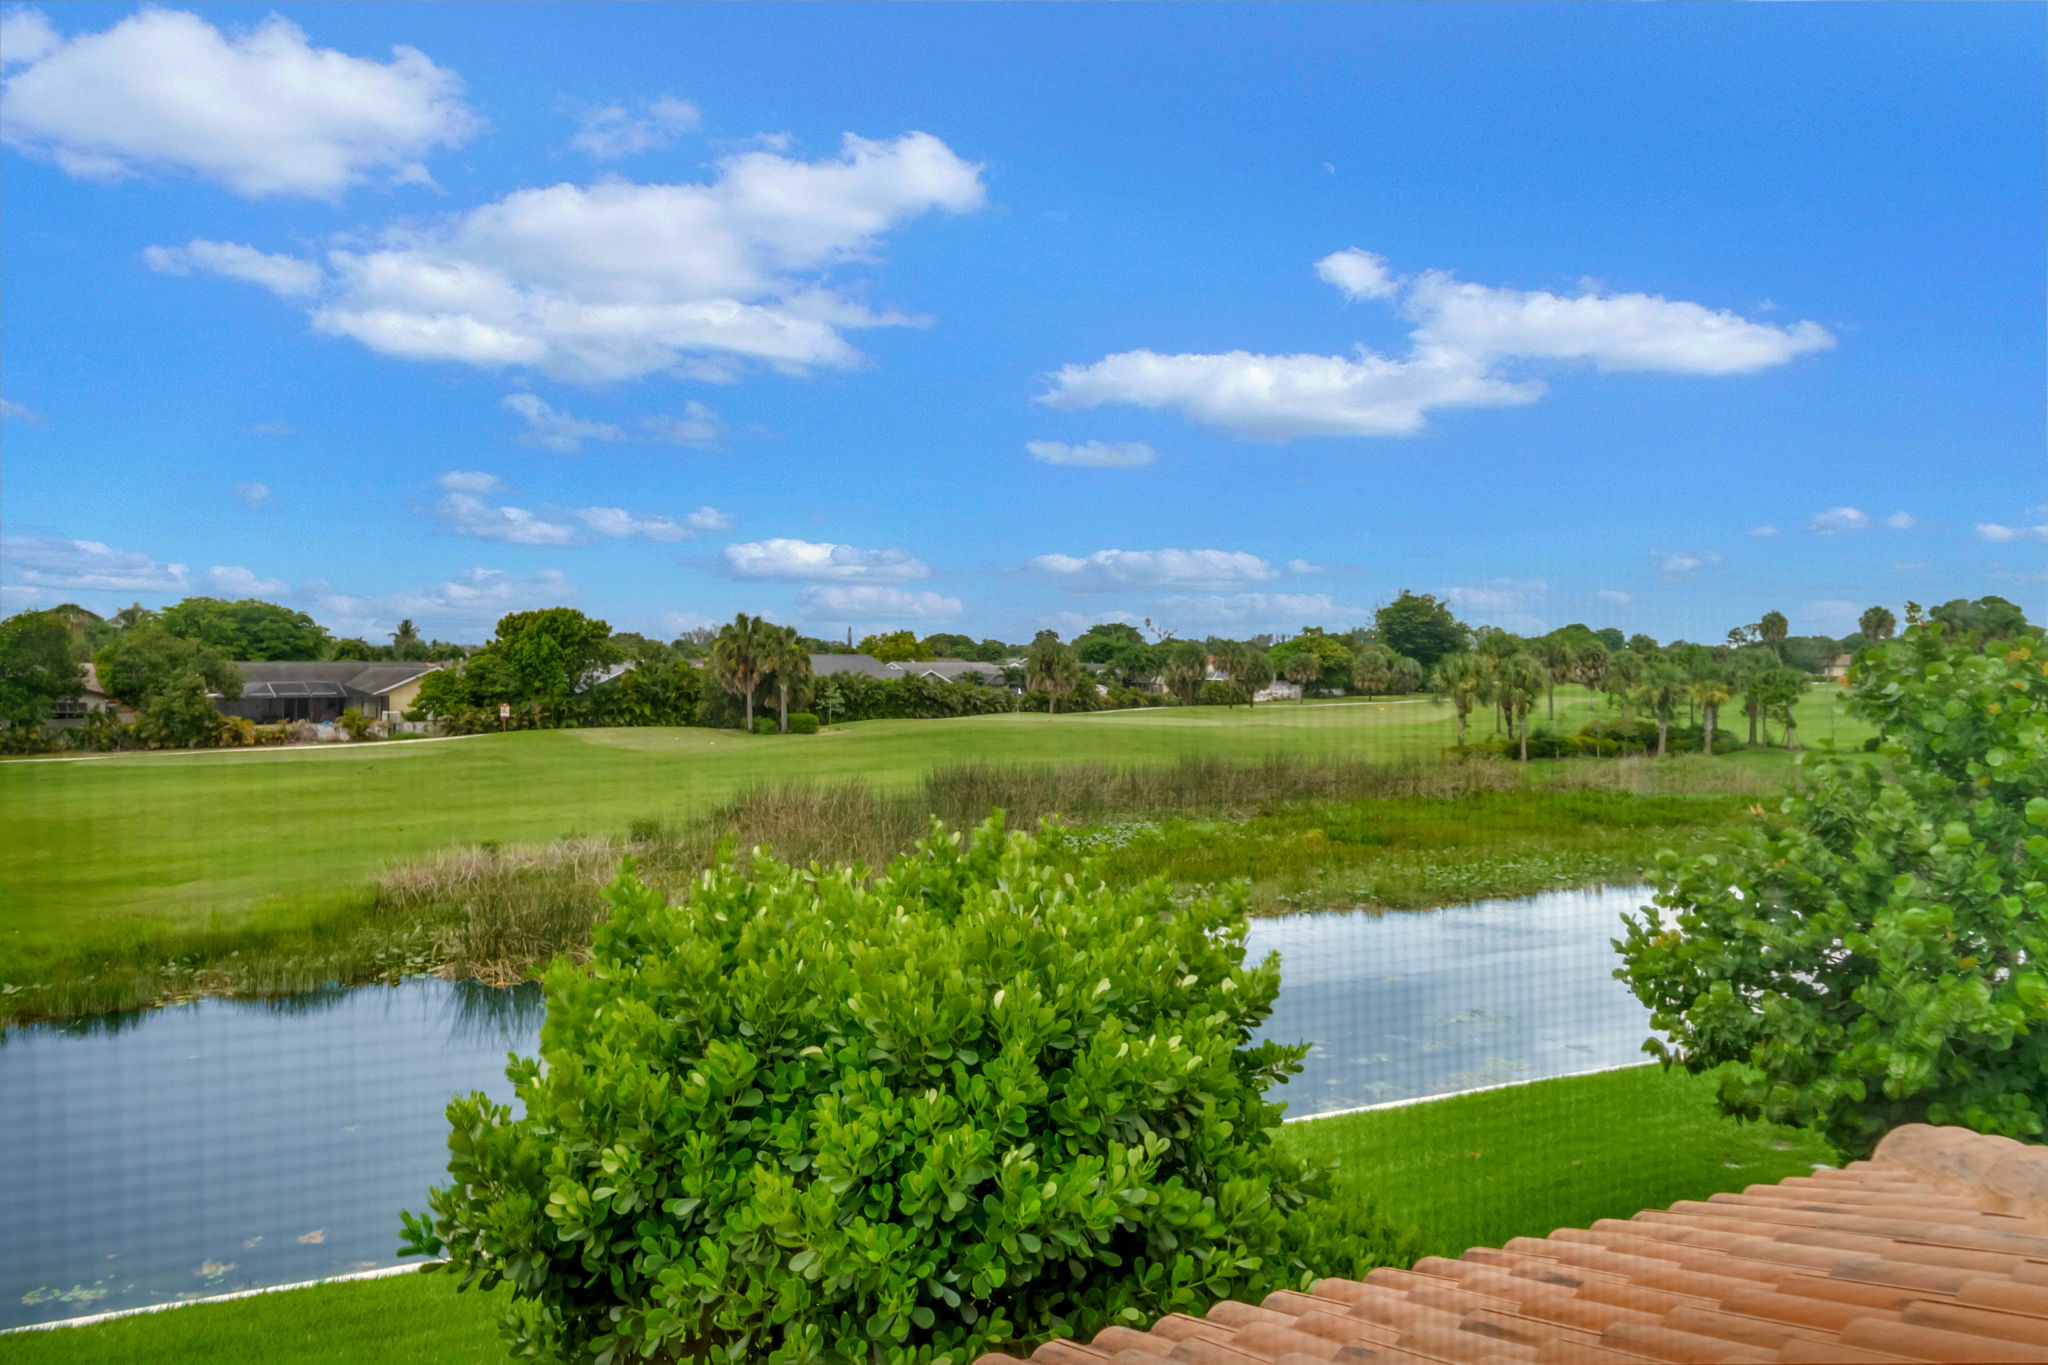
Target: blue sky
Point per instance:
(1236, 318)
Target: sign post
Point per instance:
(504, 714)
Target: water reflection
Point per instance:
(227, 1144)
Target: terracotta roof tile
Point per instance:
(1934, 1250)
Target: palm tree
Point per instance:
(1301, 669)
(1624, 672)
(740, 657)
(1519, 680)
(1773, 628)
(1406, 677)
(1664, 687)
(788, 664)
(1710, 692)
(1186, 668)
(1051, 667)
(1254, 671)
(1373, 673)
(1558, 659)
(1463, 680)
(1877, 623)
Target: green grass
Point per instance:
(148, 859)
(1471, 1171)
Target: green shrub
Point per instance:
(1874, 953)
(765, 725)
(802, 723)
(356, 725)
(807, 1115)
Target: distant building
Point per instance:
(280, 689)
(1838, 671)
(92, 698)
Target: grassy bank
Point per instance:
(1471, 1171)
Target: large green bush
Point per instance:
(1875, 952)
(803, 723)
(812, 1115)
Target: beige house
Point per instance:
(1838, 671)
(283, 689)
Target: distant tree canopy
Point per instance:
(246, 629)
(552, 653)
(1421, 627)
(1987, 618)
(38, 666)
(148, 659)
(1332, 660)
(895, 646)
(1099, 643)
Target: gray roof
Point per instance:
(952, 670)
(326, 677)
(823, 664)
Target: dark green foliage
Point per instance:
(1421, 627)
(246, 629)
(147, 658)
(177, 712)
(39, 667)
(1873, 952)
(972, 1103)
(803, 723)
(895, 646)
(550, 653)
(655, 691)
(765, 725)
(1987, 618)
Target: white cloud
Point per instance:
(1499, 594)
(21, 412)
(1615, 596)
(1836, 520)
(475, 598)
(1278, 397)
(618, 280)
(682, 622)
(1612, 331)
(271, 429)
(466, 514)
(1684, 562)
(781, 557)
(551, 429)
(26, 35)
(260, 111)
(1305, 566)
(697, 425)
(469, 481)
(611, 131)
(1764, 531)
(1901, 521)
(1360, 274)
(255, 494)
(237, 581)
(1095, 454)
(1461, 336)
(1262, 611)
(618, 524)
(1110, 570)
(868, 602)
(288, 277)
(42, 561)
(1993, 531)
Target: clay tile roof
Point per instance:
(1936, 1249)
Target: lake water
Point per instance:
(225, 1145)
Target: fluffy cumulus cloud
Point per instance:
(1464, 337)
(87, 566)
(288, 277)
(875, 602)
(462, 604)
(611, 131)
(2001, 534)
(821, 562)
(1093, 454)
(463, 510)
(1837, 520)
(1260, 611)
(619, 280)
(259, 110)
(1111, 570)
(467, 514)
(616, 523)
(551, 429)
(232, 580)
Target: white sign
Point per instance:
(504, 711)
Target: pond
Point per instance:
(226, 1145)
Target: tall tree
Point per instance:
(1407, 676)
(1254, 673)
(788, 666)
(1373, 673)
(1301, 668)
(1772, 629)
(739, 657)
(1559, 659)
(1877, 623)
(406, 642)
(553, 654)
(246, 629)
(1051, 667)
(149, 658)
(1462, 679)
(895, 646)
(1187, 666)
(1624, 674)
(1519, 680)
(1420, 626)
(1664, 688)
(1710, 692)
(39, 667)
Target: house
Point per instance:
(1838, 671)
(953, 670)
(279, 689)
(1932, 1250)
(92, 698)
(825, 665)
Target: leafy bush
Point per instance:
(802, 723)
(356, 725)
(972, 1102)
(765, 725)
(1877, 952)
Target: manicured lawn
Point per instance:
(1471, 1171)
(114, 852)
